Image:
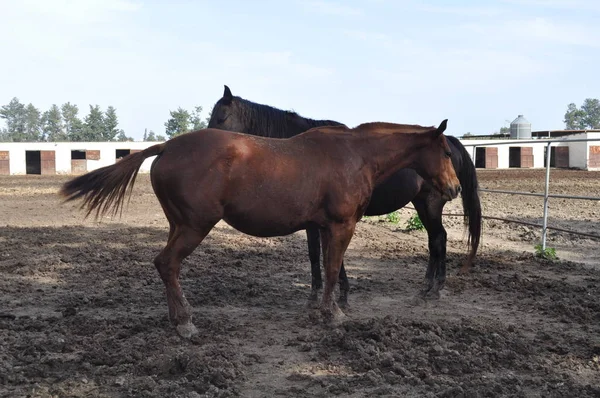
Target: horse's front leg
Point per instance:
(335, 240)
(344, 287)
(314, 255)
(430, 213)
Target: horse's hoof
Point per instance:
(187, 330)
(313, 301)
(465, 269)
(418, 299)
(343, 303)
(432, 295)
(334, 317)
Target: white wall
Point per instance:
(578, 151)
(63, 153)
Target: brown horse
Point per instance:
(267, 187)
(233, 113)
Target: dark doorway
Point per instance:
(33, 162)
(514, 156)
(552, 156)
(480, 158)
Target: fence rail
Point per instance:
(551, 195)
(546, 195)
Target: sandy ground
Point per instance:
(83, 311)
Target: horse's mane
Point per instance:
(268, 121)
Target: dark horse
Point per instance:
(265, 187)
(243, 116)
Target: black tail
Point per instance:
(465, 171)
(106, 187)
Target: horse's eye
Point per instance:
(448, 154)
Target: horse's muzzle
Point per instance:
(452, 192)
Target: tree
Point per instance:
(151, 136)
(110, 124)
(574, 118)
(122, 137)
(586, 117)
(73, 125)
(15, 115)
(591, 108)
(161, 138)
(33, 124)
(178, 124)
(196, 119)
(52, 125)
(94, 127)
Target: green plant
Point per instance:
(393, 217)
(549, 253)
(414, 224)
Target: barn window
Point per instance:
(78, 155)
(120, 153)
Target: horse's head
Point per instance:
(433, 162)
(227, 115)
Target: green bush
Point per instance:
(393, 217)
(549, 253)
(414, 224)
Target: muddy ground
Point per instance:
(83, 311)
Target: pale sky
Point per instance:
(476, 63)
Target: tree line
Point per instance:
(26, 123)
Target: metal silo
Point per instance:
(520, 128)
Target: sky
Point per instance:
(478, 64)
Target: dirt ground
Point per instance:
(83, 311)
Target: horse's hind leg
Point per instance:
(181, 244)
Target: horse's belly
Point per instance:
(255, 225)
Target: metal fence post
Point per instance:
(545, 224)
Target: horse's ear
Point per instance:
(442, 127)
(227, 96)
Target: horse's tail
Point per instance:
(106, 187)
(470, 200)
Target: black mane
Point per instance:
(268, 121)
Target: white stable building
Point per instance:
(65, 157)
(523, 153)
(17, 158)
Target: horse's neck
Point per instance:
(391, 152)
(297, 125)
